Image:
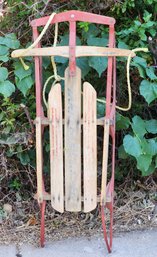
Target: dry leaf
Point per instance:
(7, 208)
(32, 221)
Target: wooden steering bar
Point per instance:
(80, 51)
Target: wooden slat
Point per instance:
(73, 141)
(105, 161)
(100, 121)
(80, 51)
(56, 147)
(47, 197)
(39, 160)
(89, 148)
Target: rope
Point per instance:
(125, 109)
(128, 79)
(26, 67)
(41, 34)
(55, 76)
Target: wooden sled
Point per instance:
(65, 128)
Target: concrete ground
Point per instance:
(131, 244)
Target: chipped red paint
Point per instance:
(78, 16)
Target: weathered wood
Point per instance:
(72, 136)
(80, 51)
(105, 161)
(100, 121)
(89, 148)
(56, 147)
(47, 197)
(39, 159)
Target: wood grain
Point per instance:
(80, 51)
(39, 159)
(89, 148)
(56, 147)
(72, 140)
(105, 161)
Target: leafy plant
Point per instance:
(134, 25)
(138, 31)
(142, 144)
(15, 184)
(23, 79)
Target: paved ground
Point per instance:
(132, 244)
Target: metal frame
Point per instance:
(72, 17)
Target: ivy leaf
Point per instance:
(82, 63)
(121, 153)
(65, 40)
(122, 122)
(4, 58)
(138, 126)
(93, 31)
(98, 63)
(25, 84)
(24, 158)
(45, 62)
(132, 145)
(150, 170)
(6, 88)
(153, 146)
(143, 163)
(150, 73)
(3, 50)
(151, 126)
(149, 146)
(61, 69)
(123, 45)
(140, 61)
(46, 75)
(60, 59)
(3, 74)
(148, 90)
(100, 108)
(20, 72)
(141, 64)
(141, 71)
(96, 41)
(10, 40)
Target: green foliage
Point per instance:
(10, 41)
(84, 26)
(136, 33)
(141, 146)
(122, 122)
(132, 145)
(8, 115)
(136, 20)
(122, 7)
(15, 184)
(148, 90)
(6, 87)
(23, 79)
